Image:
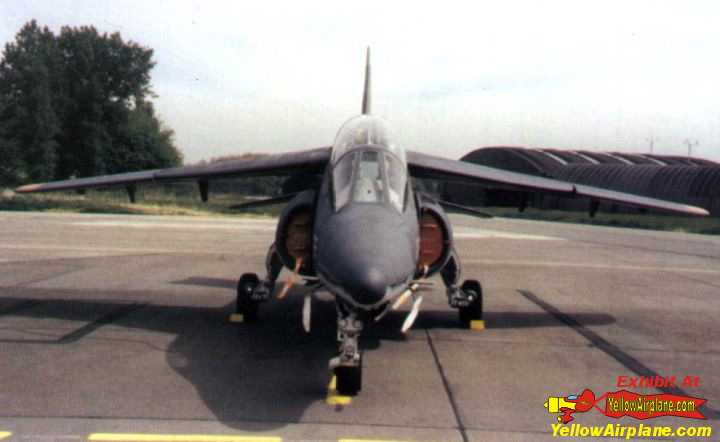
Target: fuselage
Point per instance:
(366, 231)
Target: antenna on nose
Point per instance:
(366, 92)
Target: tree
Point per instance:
(28, 118)
(77, 104)
(11, 164)
(142, 142)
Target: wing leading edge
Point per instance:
(429, 166)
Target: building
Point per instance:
(686, 180)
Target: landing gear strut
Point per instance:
(466, 298)
(347, 366)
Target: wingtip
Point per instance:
(695, 211)
(701, 212)
(28, 188)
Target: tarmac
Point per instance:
(115, 327)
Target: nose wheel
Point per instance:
(348, 380)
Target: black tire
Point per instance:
(348, 380)
(244, 304)
(474, 311)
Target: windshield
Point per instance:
(368, 166)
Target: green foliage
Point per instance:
(158, 199)
(142, 143)
(677, 223)
(76, 104)
(28, 120)
(10, 162)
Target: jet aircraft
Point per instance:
(363, 233)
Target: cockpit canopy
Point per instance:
(368, 165)
(365, 130)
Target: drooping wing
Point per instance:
(307, 161)
(429, 166)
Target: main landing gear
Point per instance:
(467, 298)
(472, 310)
(251, 291)
(249, 296)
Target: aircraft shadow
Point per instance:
(203, 281)
(267, 373)
(508, 320)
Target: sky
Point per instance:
(236, 77)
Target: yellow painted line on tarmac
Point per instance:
(477, 325)
(5, 434)
(137, 437)
(333, 398)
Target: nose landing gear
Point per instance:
(347, 366)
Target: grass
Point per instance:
(184, 202)
(687, 224)
(148, 203)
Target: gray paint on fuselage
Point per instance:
(364, 249)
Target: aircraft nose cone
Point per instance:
(364, 249)
(368, 285)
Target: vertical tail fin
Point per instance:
(366, 92)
